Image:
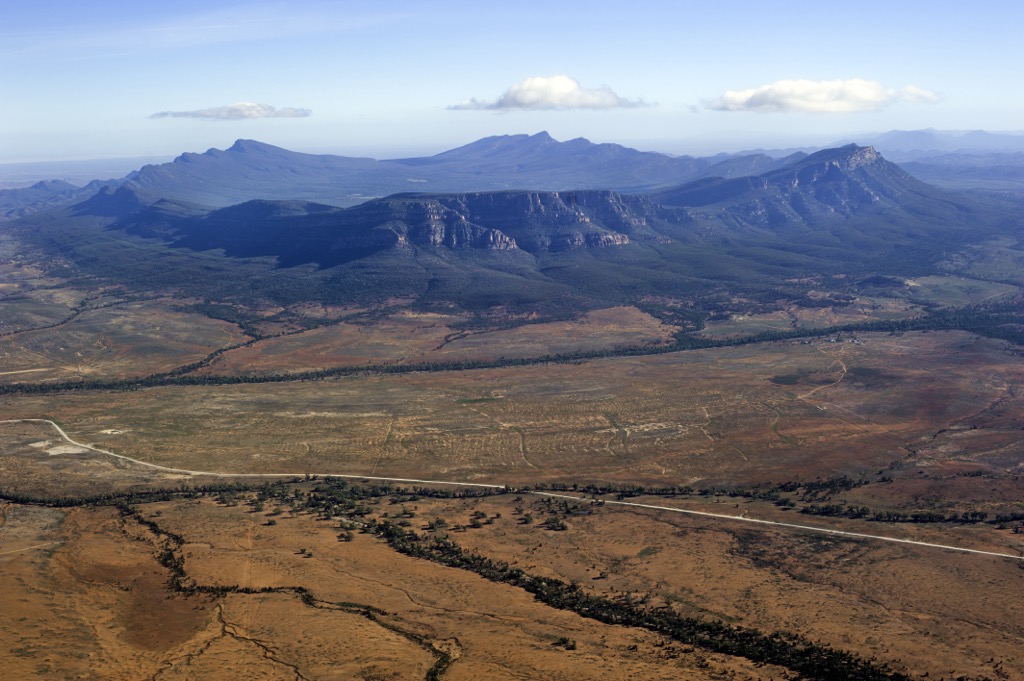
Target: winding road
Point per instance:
(630, 504)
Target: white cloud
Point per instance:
(236, 112)
(554, 92)
(819, 96)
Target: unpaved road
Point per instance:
(670, 509)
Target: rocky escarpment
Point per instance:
(566, 242)
(533, 221)
(297, 232)
(426, 222)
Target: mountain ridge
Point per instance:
(249, 169)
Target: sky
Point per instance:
(392, 78)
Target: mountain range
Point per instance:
(253, 170)
(841, 211)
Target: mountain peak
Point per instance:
(848, 156)
(833, 163)
(242, 146)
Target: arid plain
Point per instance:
(181, 586)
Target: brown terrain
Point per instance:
(97, 590)
(268, 588)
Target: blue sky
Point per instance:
(393, 78)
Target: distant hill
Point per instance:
(16, 203)
(969, 166)
(252, 170)
(540, 162)
(900, 145)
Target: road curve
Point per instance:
(185, 471)
(630, 504)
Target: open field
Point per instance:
(408, 337)
(924, 422)
(99, 591)
(30, 297)
(957, 291)
(122, 339)
(794, 317)
(732, 415)
(887, 299)
(89, 578)
(998, 260)
(935, 611)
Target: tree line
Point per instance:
(792, 651)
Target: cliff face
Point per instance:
(461, 234)
(528, 220)
(568, 242)
(300, 232)
(426, 223)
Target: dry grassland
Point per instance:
(409, 337)
(924, 610)
(748, 414)
(934, 419)
(29, 296)
(128, 339)
(35, 461)
(96, 606)
(901, 302)
(864, 309)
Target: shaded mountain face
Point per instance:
(253, 170)
(540, 162)
(839, 210)
(302, 232)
